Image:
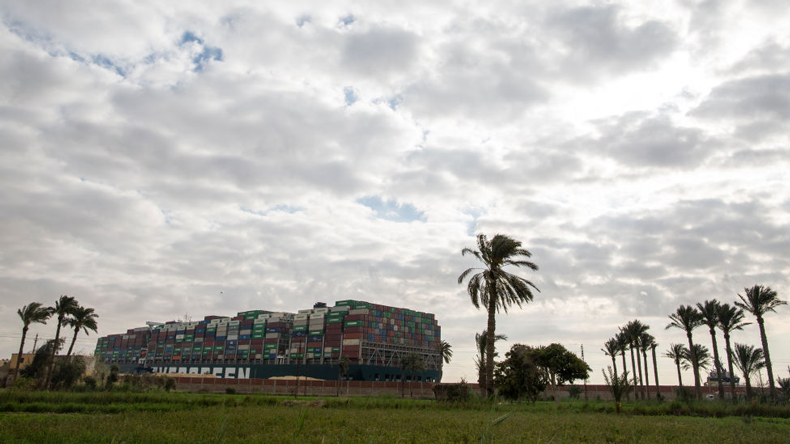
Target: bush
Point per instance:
(230, 391)
(452, 392)
(574, 391)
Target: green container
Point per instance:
(334, 320)
(353, 323)
(300, 328)
(316, 333)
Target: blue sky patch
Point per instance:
(209, 53)
(351, 95)
(392, 210)
(347, 20)
(190, 37)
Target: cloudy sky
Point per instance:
(213, 157)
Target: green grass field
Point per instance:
(180, 417)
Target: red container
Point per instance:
(256, 342)
(314, 344)
(352, 336)
(348, 330)
(355, 318)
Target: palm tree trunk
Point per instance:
(21, 350)
(639, 373)
(52, 356)
(655, 373)
(768, 367)
(403, 382)
(633, 370)
(716, 362)
(491, 339)
(748, 387)
(647, 377)
(694, 367)
(614, 364)
(729, 365)
(625, 367)
(680, 378)
(71, 347)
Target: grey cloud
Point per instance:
(768, 57)
(599, 42)
(763, 97)
(381, 51)
(652, 141)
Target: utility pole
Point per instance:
(35, 342)
(585, 379)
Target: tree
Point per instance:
(519, 375)
(687, 318)
(495, 288)
(655, 368)
(481, 340)
(700, 358)
(730, 319)
(760, 300)
(34, 312)
(611, 348)
(710, 317)
(445, 353)
(646, 341)
(618, 385)
(633, 330)
(412, 362)
(83, 318)
(748, 360)
(622, 342)
(560, 366)
(65, 305)
(342, 368)
(41, 362)
(677, 353)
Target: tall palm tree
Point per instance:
(64, 306)
(655, 368)
(622, 342)
(748, 360)
(83, 318)
(676, 352)
(495, 288)
(730, 319)
(481, 341)
(445, 353)
(687, 318)
(611, 348)
(760, 300)
(34, 312)
(710, 317)
(646, 340)
(633, 331)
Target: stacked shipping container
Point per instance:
(365, 333)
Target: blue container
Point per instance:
(221, 338)
(232, 342)
(315, 338)
(180, 332)
(200, 330)
(272, 356)
(273, 329)
(245, 337)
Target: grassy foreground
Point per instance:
(177, 418)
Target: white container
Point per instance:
(359, 311)
(350, 342)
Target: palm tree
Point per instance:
(622, 342)
(760, 300)
(633, 330)
(64, 306)
(611, 348)
(618, 385)
(748, 360)
(676, 352)
(687, 319)
(33, 312)
(730, 319)
(412, 362)
(481, 340)
(445, 353)
(646, 341)
(700, 358)
(83, 318)
(655, 368)
(495, 288)
(710, 317)
(342, 368)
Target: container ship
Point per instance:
(371, 339)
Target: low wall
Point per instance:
(371, 388)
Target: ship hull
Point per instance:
(355, 372)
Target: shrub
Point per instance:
(452, 392)
(230, 391)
